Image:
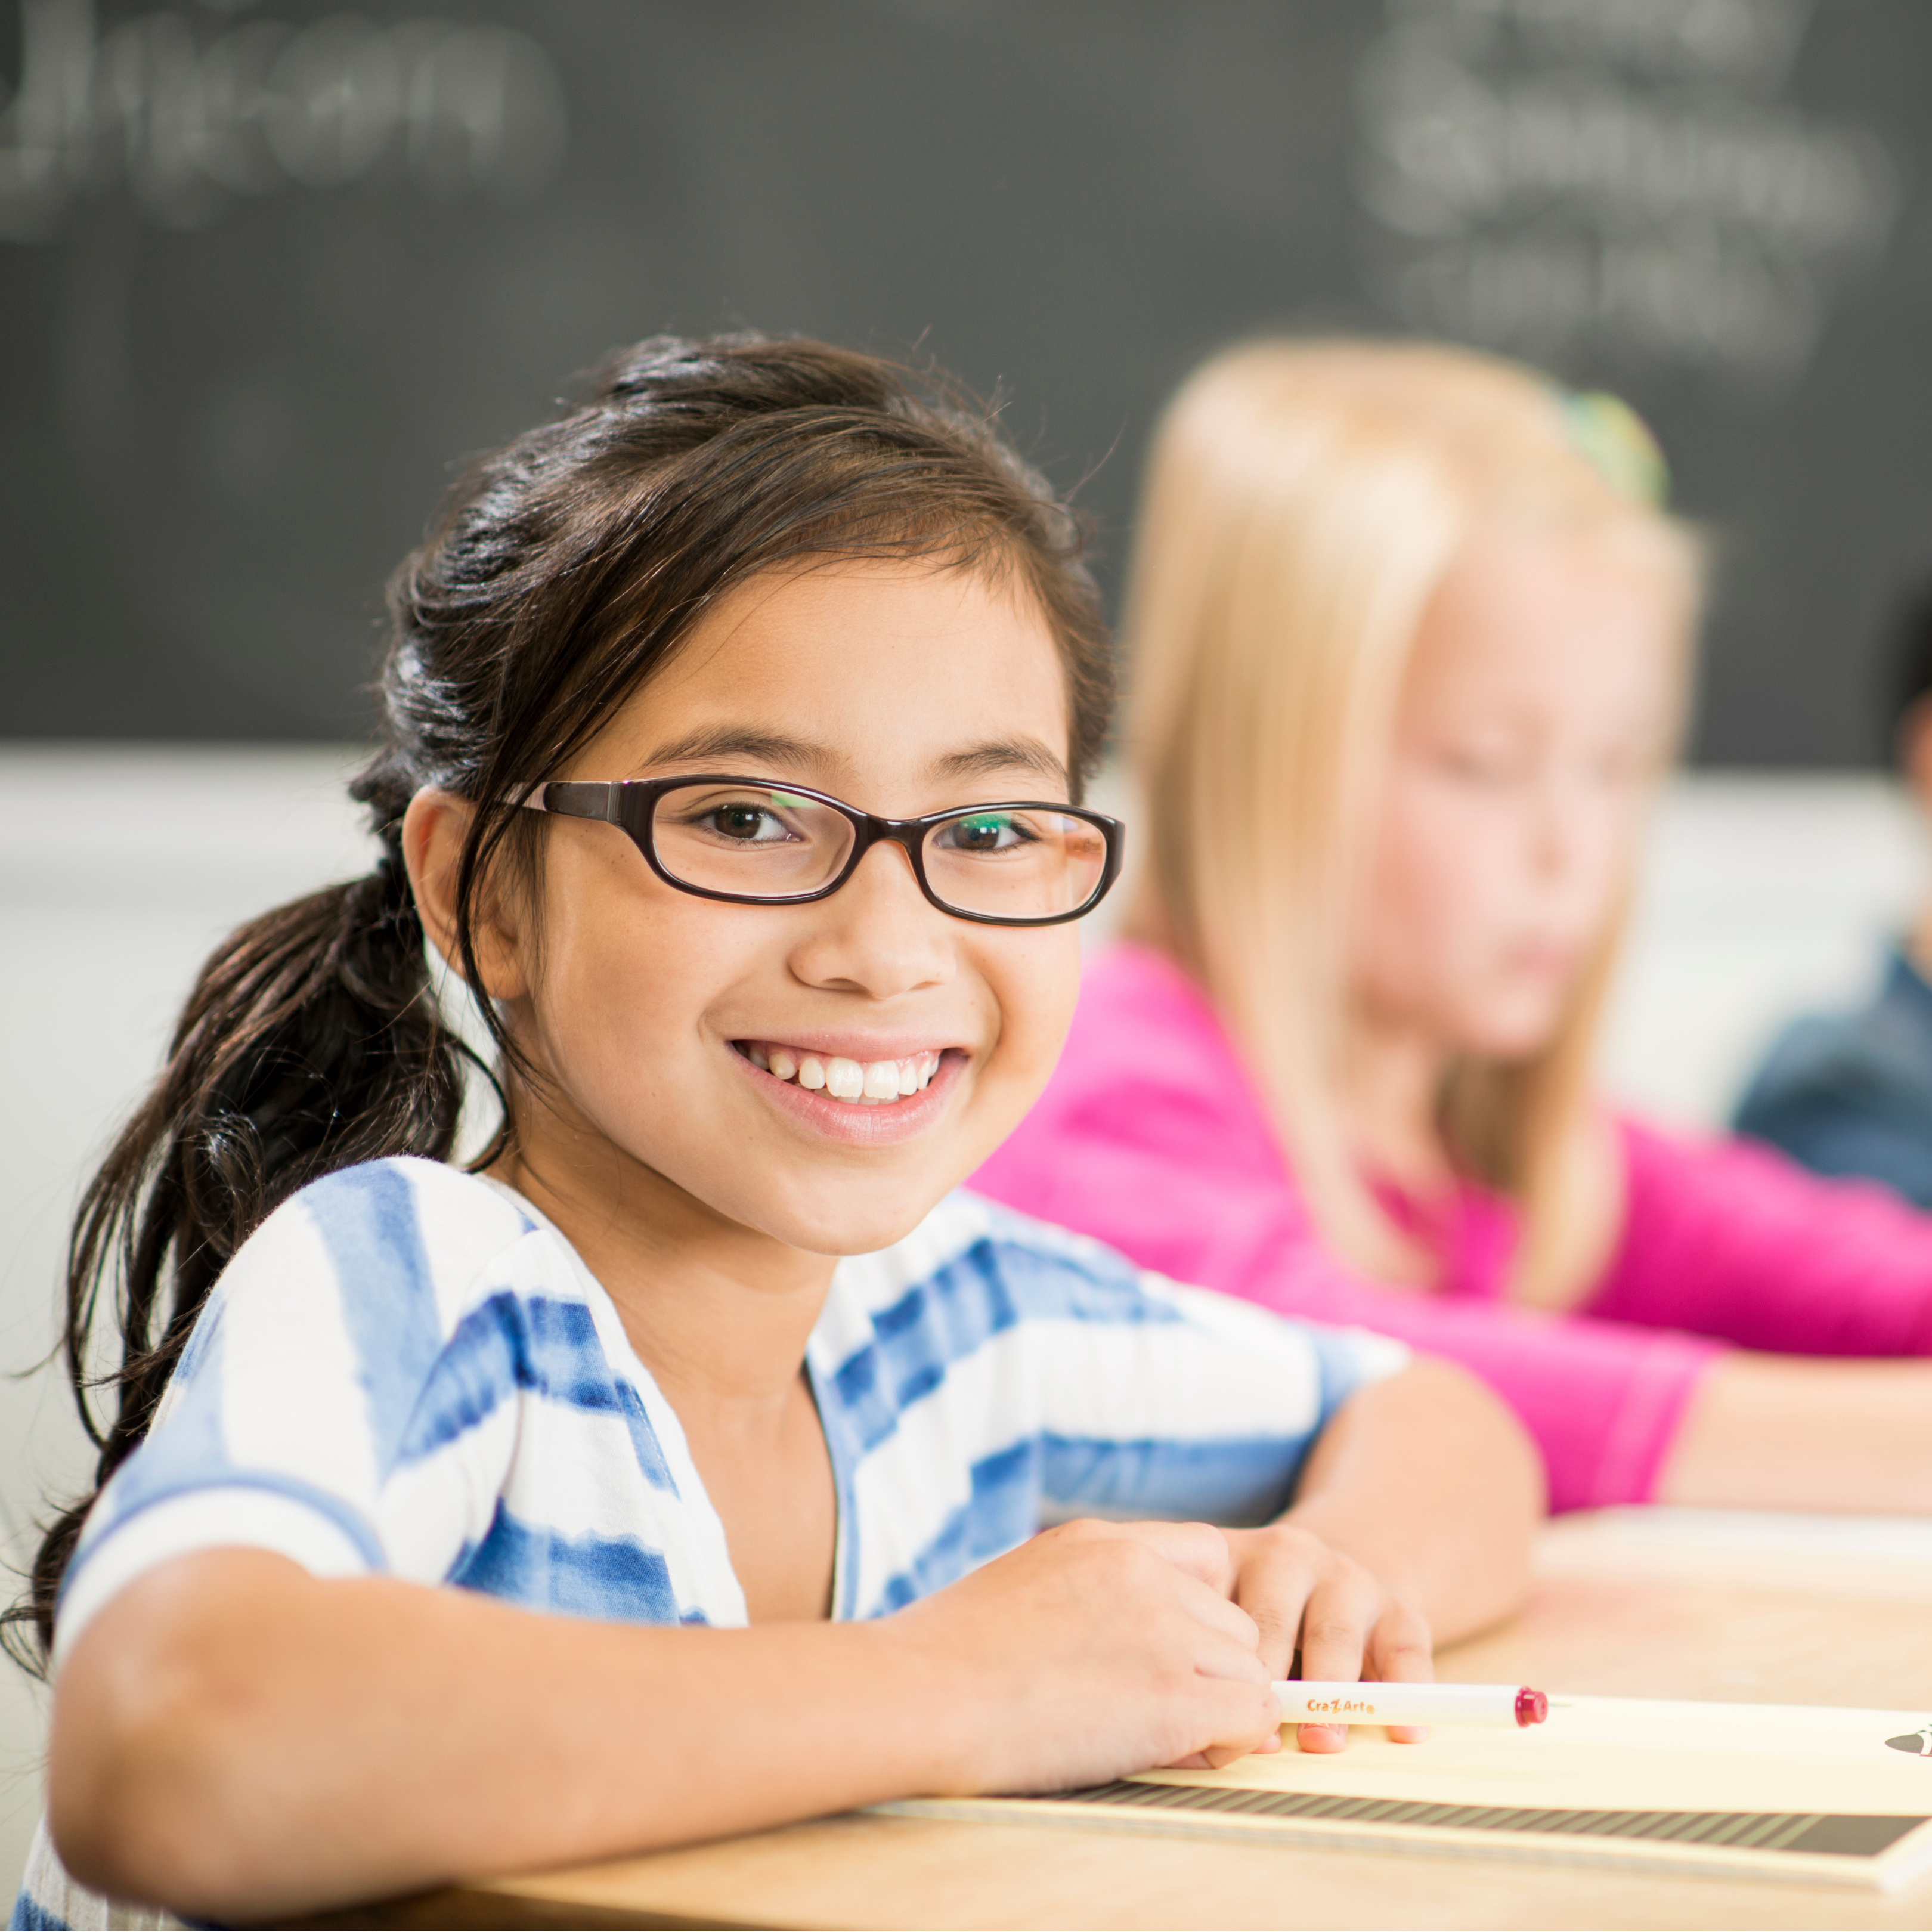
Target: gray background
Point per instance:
(265, 270)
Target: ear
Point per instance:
(1913, 749)
(434, 828)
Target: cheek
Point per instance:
(1440, 875)
(1033, 978)
(1614, 835)
(626, 970)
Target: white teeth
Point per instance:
(868, 1083)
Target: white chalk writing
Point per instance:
(188, 125)
(1557, 175)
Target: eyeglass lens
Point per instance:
(764, 843)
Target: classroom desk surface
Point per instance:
(1613, 1612)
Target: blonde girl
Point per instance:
(1409, 635)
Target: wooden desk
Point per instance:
(1606, 1616)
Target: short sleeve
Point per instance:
(309, 1414)
(1162, 1400)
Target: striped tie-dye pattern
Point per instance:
(408, 1371)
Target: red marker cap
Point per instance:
(1532, 1707)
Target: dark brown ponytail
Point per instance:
(565, 569)
(311, 1041)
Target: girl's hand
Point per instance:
(1094, 1650)
(1307, 1596)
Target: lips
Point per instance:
(873, 1122)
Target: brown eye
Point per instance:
(985, 831)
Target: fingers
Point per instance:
(1390, 1644)
(1278, 1569)
(1198, 1549)
(1232, 1609)
(1227, 1620)
(1091, 1651)
(1341, 1611)
(1306, 1597)
(1198, 1552)
(1401, 1651)
(1237, 1719)
(1217, 1756)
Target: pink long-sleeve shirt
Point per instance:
(1152, 1136)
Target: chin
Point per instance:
(832, 1221)
(1515, 1035)
(851, 1236)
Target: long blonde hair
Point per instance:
(1303, 503)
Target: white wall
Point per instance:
(1761, 894)
(119, 870)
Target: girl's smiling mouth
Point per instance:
(858, 1082)
(881, 1099)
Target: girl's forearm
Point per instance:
(1776, 1431)
(1432, 1485)
(485, 1739)
(236, 1739)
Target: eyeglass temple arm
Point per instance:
(571, 798)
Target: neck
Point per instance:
(1391, 1088)
(718, 1312)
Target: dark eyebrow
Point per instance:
(732, 741)
(985, 761)
(727, 742)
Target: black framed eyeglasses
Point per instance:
(752, 842)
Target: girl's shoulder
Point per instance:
(404, 1198)
(398, 1234)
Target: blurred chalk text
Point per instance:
(1614, 180)
(188, 123)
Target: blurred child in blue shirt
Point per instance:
(1851, 1093)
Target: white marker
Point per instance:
(1304, 1703)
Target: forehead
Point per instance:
(881, 670)
(1558, 620)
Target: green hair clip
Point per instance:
(1607, 429)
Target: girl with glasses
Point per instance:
(674, 1468)
(1411, 634)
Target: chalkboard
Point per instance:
(267, 268)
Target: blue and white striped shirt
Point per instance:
(407, 1371)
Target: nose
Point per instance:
(1581, 846)
(1563, 829)
(878, 935)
